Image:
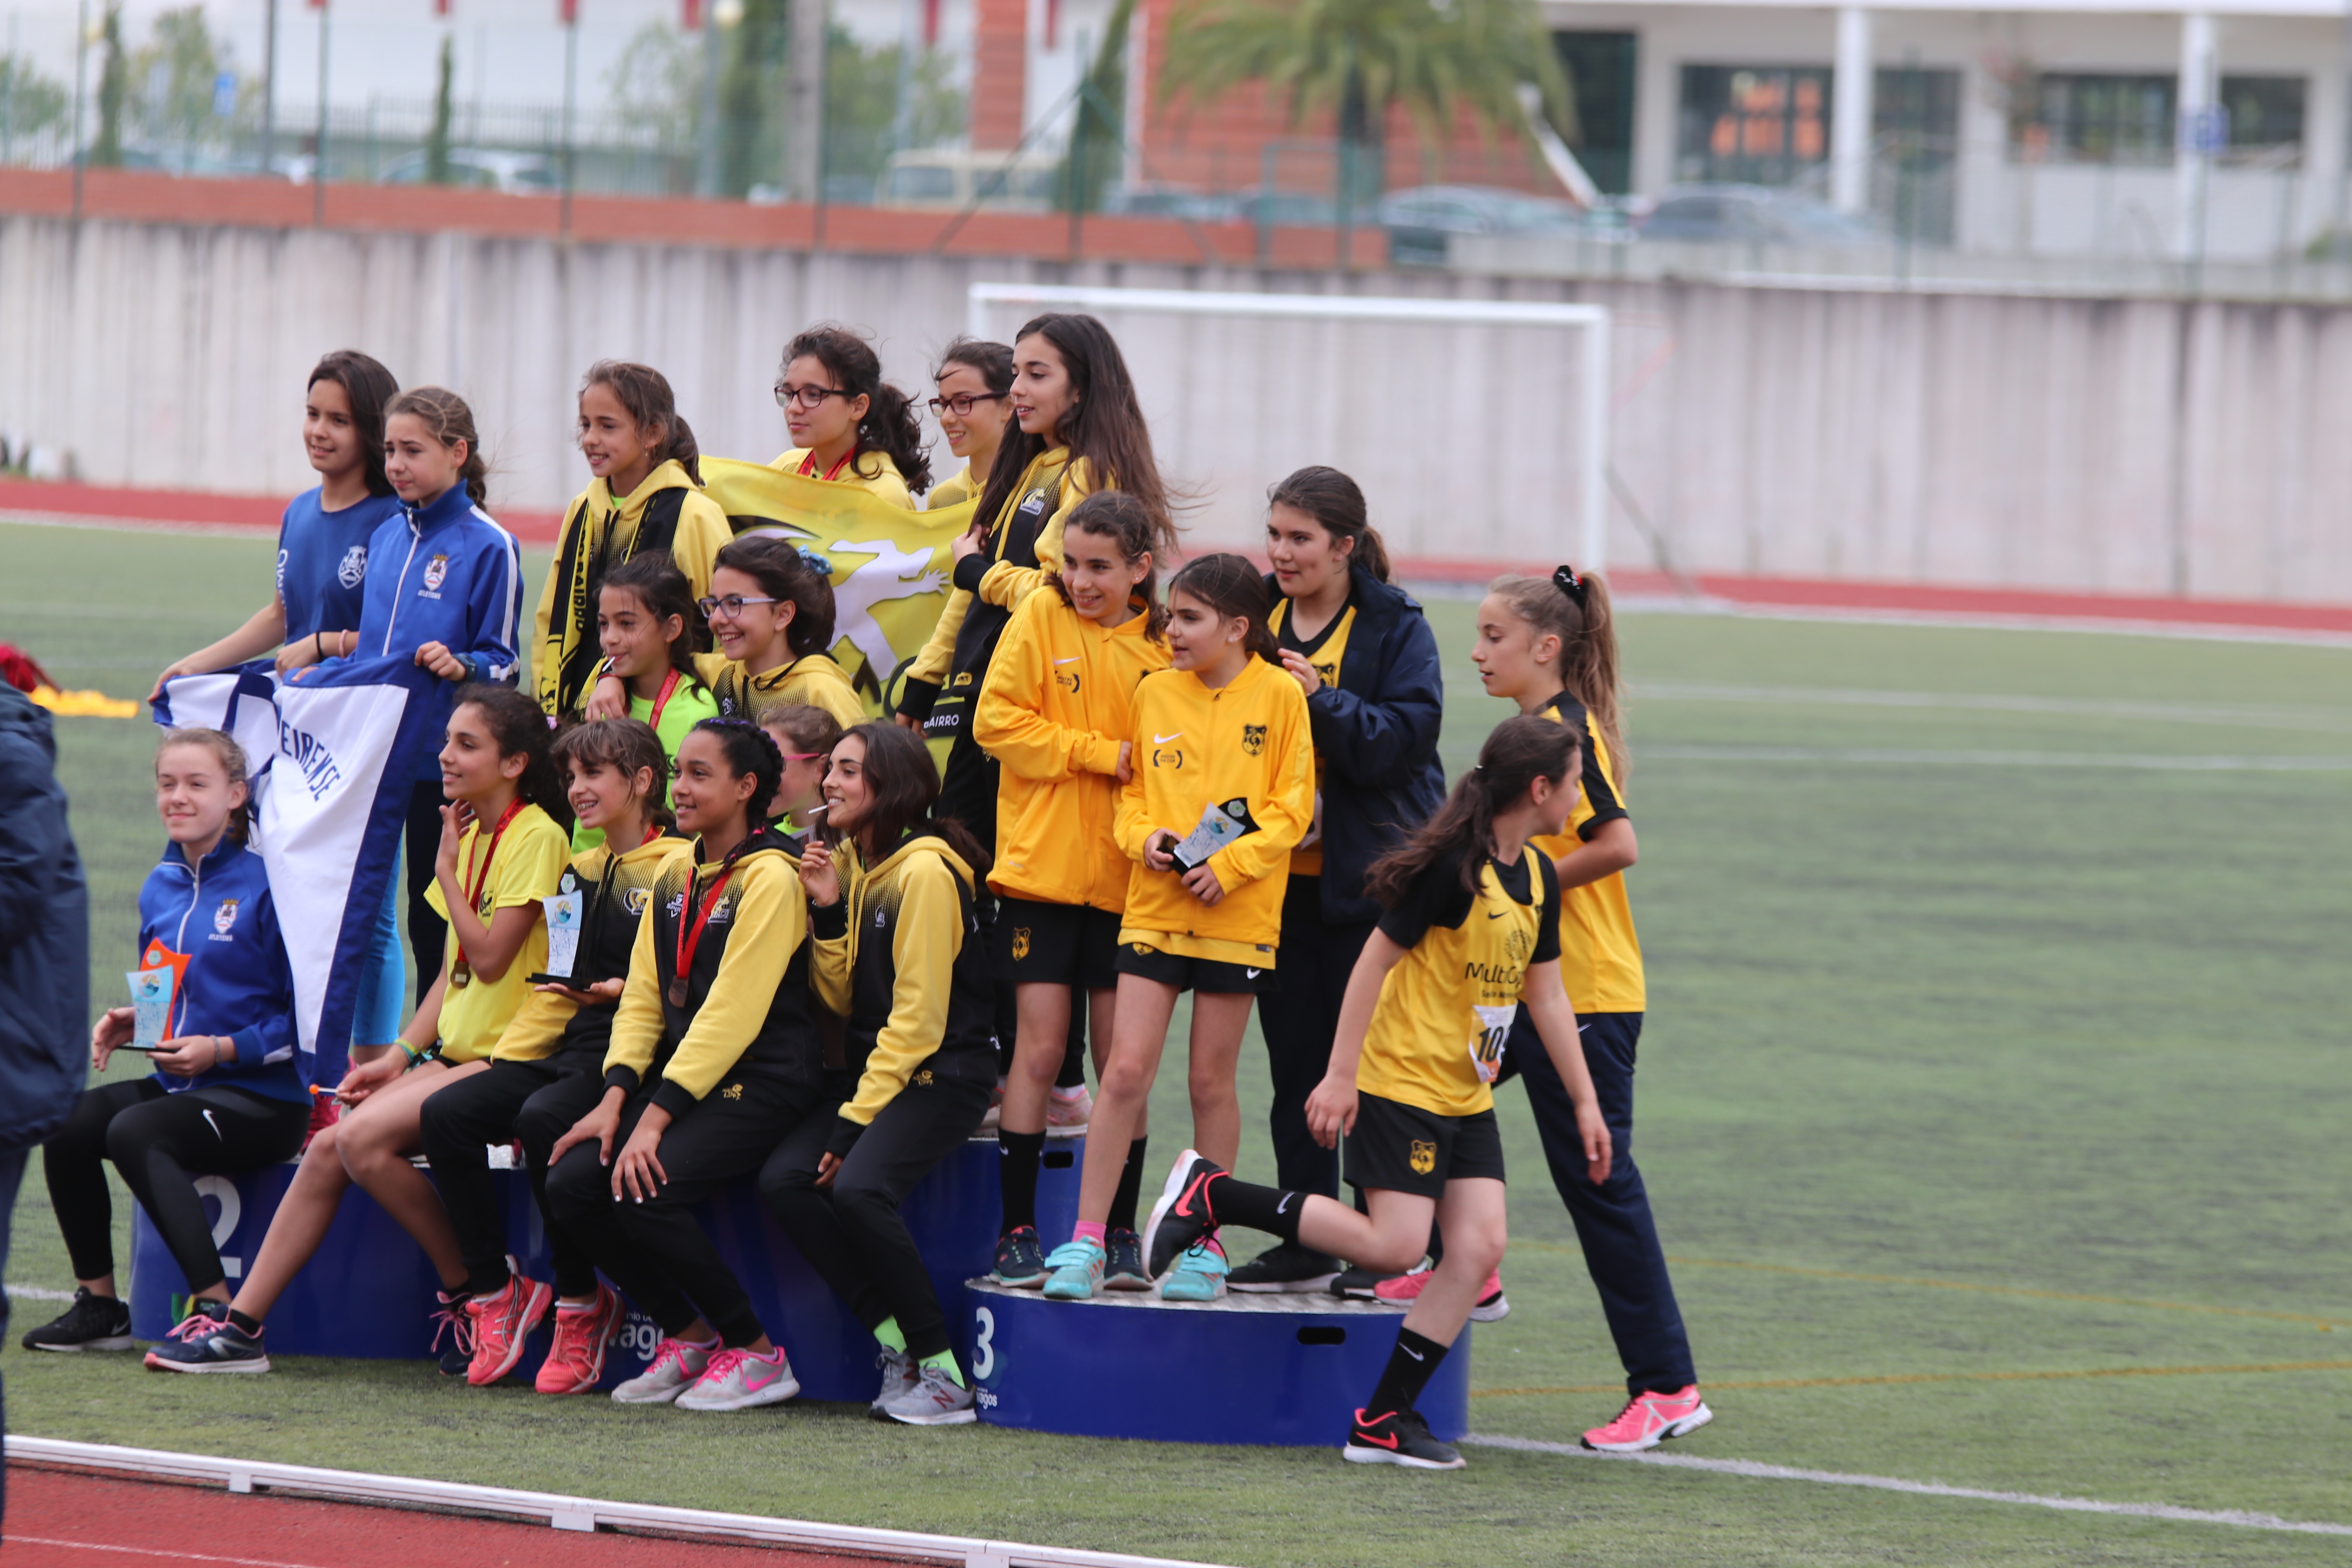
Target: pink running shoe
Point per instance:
(1649, 1419)
(575, 1363)
(1405, 1288)
(739, 1379)
(502, 1322)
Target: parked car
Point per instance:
(1154, 200)
(1753, 214)
(950, 178)
(481, 169)
(1421, 221)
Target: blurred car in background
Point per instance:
(949, 179)
(1160, 200)
(1421, 221)
(480, 169)
(1752, 215)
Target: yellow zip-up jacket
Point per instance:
(814, 678)
(900, 956)
(617, 889)
(600, 533)
(988, 574)
(1057, 705)
(877, 472)
(955, 490)
(1195, 747)
(747, 987)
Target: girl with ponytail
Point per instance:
(1470, 939)
(1549, 643)
(848, 424)
(1220, 789)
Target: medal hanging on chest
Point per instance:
(461, 972)
(692, 920)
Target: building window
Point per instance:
(1765, 125)
(1600, 74)
(2085, 117)
(2266, 119)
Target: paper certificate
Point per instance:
(563, 932)
(1221, 824)
(150, 1006)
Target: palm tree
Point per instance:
(1360, 59)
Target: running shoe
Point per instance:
(325, 1111)
(1649, 1419)
(1067, 1112)
(92, 1323)
(740, 1379)
(900, 1376)
(1404, 1289)
(936, 1400)
(1184, 1214)
(1359, 1284)
(1398, 1438)
(1288, 1267)
(502, 1323)
(454, 1318)
(1198, 1275)
(1077, 1268)
(1123, 1266)
(203, 1342)
(575, 1363)
(676, 1367)
(1020, 1260)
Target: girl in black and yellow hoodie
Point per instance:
(899, 952)
(712, 1053)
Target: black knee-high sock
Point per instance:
(1074, 1046)
(1018, 1157)
(1411, 1366)
(1130, 1188)
(1269, 1209)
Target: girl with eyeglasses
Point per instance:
(849, 426)
(973, 406)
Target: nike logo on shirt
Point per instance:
(1072, 659)
(1252, 973)
(1163, 740)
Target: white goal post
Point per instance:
(1593, 412)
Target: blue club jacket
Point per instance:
(1378, 733)
(445, 573)
(44, 934)
(237, 982)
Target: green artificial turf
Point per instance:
(1955, 1070)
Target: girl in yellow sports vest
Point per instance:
(1470, 940)
(973, 405)
(1223, 789)
(849, 426)
(1550, 645)
(646, 495)
(1056, 715)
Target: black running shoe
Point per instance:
(1290, 1267)
(1123, 1262)
(1182, 1214)
(1398, 1438)
(205, 1343)
(92, 1323)
(1358, 1284)
(1020, 1260)
(456, 1358)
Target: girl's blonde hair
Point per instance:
(231, 757)
(1574, 607)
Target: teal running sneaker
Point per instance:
(1198, 1275)
(1077, 1271)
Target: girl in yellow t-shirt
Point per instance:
(505, 840)
(1470, 933)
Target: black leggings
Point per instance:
(853, 1232)
(428, 932)
(537, 1103)
(157, 1140)
(656, 1251)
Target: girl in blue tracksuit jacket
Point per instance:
(444, 587)
(226, 1095)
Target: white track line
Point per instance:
(1907, 757)
(1982, 620)
(36, 1293)
(2314, 720)
(152, 1551)
(1756, 1470)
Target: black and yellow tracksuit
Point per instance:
(901, 956)
(547, 1071)
(733, 1064)
(601, 530)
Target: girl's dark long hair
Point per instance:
(645, 393)
(1105, 425)
(370, 387)
(902, 783)
(889, 424)
(1234, 588)
(448, 419)
(518, 726)
(993, 360)
(1137, 531)
(663, 591)
(1523, 749)
(748, 750)
(1336, 502)
(777, 564)
(625, 745)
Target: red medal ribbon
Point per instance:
(661, 699)
(463, 969)
(689, 933)
(808, 466)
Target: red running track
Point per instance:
(67, 1519)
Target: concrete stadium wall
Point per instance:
(2144, 447)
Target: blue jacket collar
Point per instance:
(224, 852)
(453, 503)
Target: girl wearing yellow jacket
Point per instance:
(712, 1053)
(973, 405)
(900, 953)
(1223, 788)
(849, 426)
(646, 495)
(1056, 715)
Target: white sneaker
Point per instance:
(1068, 1110)
(676, 1365)
(739, 1379)
(900, 1376)
(936, 1400)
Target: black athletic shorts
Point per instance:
(1399, 1148)
(1209, 976)
(1056, 944)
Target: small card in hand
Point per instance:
(1221, 824)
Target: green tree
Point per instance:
(751, 90)
(1361, 60)
(657, 83)
(30, 103)
(436, 139)
(176, 70)
(113, 90)
(1099, 135)
(861, 95)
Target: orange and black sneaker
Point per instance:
(1398, 1438)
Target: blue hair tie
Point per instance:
(816, 562)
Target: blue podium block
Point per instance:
(1288, 1370)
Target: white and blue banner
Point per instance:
(332, 760)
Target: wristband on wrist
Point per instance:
(318, 646)
(413, 1056)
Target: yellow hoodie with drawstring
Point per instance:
(813, 679)
(600, 533)
(1051, 486)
